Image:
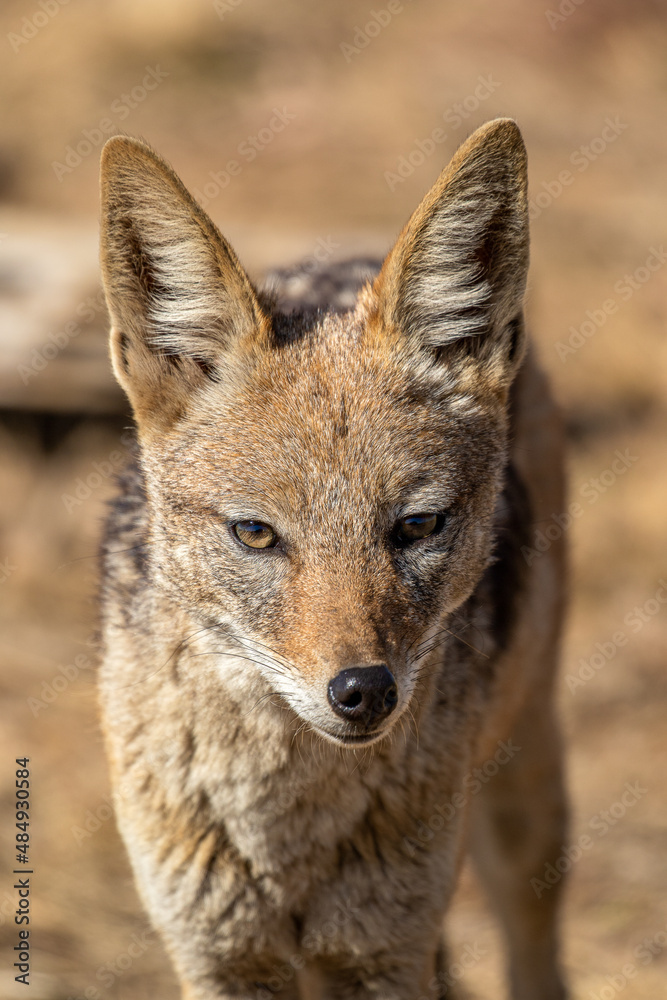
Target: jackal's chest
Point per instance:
(325, 861)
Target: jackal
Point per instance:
(328, 666)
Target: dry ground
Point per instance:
(564, 77)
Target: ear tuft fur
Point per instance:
(458, 269)
(173, 284)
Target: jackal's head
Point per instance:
(321, 487)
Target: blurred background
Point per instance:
(338, 117)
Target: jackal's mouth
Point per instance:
(355, 739)
(361, 738)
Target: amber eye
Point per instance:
(255, 534)
(415, 526)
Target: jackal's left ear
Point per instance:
(457, 274)
(177, 294)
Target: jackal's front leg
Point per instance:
(519, 826)
(214, 989)
(393, 976)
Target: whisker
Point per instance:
(237, 656)
(99, 555)
(298, 731)
(265, 697)
(416, 731)
(435, 642)
(247, 641)
(178, 649)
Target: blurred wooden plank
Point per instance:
(53, 320)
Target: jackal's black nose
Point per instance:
(363, 694)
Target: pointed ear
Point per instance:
(456, 277)
(177, 295)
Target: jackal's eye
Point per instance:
(255, 534)
(415, 526)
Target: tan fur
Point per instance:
(275, 855)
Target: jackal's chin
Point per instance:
(355, 740)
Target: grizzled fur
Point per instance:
(275, 850)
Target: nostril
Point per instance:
(363, 694)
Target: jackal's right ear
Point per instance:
(454, 282)
(176, 292)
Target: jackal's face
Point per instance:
(322, 488)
